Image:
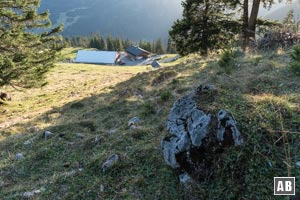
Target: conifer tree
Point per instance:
(119, 44)
(205, 26)
(127, 43)
(110, 43)
(289, 21)
(170, 47)
(102, 44)
(145, 45)
(25, 53)
(153, 46)
(159, 47)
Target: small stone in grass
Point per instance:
(19, 156)
(27, 195)
(47, 135)
(112, 160)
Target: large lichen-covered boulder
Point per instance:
(195, 133)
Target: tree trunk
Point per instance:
(253, 19)
(245, 25)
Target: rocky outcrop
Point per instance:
(195, 133)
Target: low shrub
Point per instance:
(227, 60)
(295, 57)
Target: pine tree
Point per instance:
(145, 45)
(118, 44)
(92, 42)
(96, 41)
(205, 26)
(153, 46)
(127, 43)
(102, 44)
(141, 44)
(25, 55)
(170, 47)
(289, 21)
(110, 43)
(159, 47)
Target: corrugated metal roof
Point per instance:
(96, 57)
(136, 51)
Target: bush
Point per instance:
(295, 56)
(295, 67)
(228, 60)
(165, 96)
(148, 109)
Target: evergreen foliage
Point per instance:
(170, 46)
(205, 26)
(295, 57)
(289, 21)
(111, 43)
(145, 45)
(159, 47)
(25, 54)
(228, 60)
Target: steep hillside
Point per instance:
(87, 108)
(135, 19)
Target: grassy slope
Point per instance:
(98, 101)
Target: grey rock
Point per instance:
(133, 121)
(227, 122)
(169, 146)
(70, 173)
(112, 131)
(198, 126)
(185, 178)
(36, 191)
(133, 127)
(111, 161)
(182, 115)
(28, 142)
(270, 164)
(101, 188)
(47, 135)
(80, 135)
(159, 111)
(189, 126)
(97, 139)
(2, 183)
(19, 156)
(27, 195)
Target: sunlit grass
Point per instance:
(66, 83)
